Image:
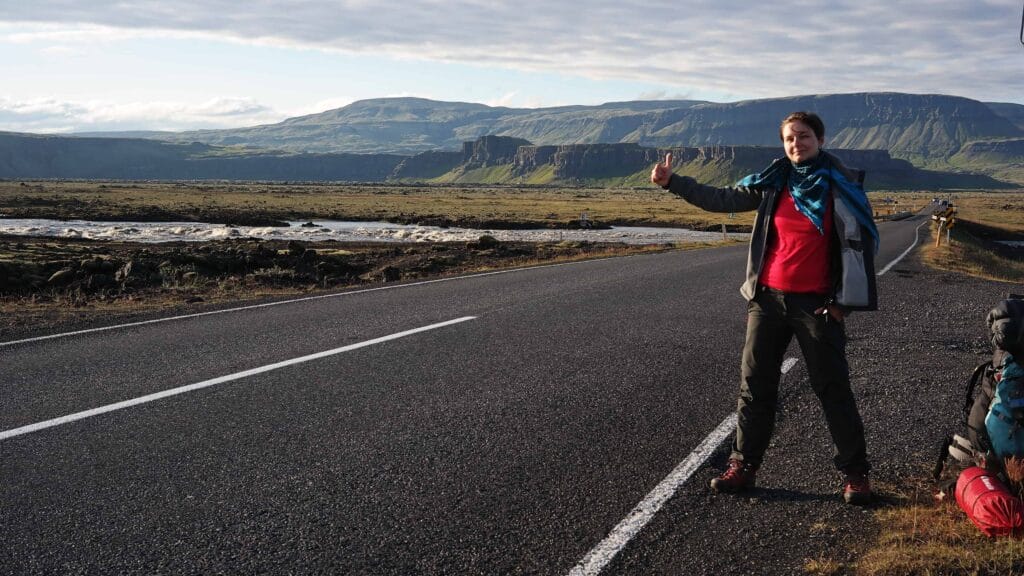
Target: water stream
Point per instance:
(337, 230)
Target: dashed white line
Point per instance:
(630, 526)
(4, 435)
(602, 554)
(788, 365)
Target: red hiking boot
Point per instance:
(737, 478)
(857, 489)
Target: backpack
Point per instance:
(1004, 422)
(1006, 324)
(994, 401)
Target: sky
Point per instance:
(112, 65)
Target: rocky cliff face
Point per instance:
(28, 156)
(578, 161)
(582, 161)
(489, 151)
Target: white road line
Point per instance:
(207, 383)
(788, 365)
(630, 526)
(917, 233)
(295, 300)
(602, 554)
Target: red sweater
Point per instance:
(797, 258)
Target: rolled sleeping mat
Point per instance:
(988, 503)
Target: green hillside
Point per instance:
(911, 126)
(1012, 112)
(1003, 159)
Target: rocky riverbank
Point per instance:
(48, 282)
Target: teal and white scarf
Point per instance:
(809, 183)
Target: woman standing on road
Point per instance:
(811, 261)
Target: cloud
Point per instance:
(755, 49)
(505, 100)
(52, 115)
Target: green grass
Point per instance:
(483, 176)
(981, 219)
(966, 253)
(924, 536)
(544, 175)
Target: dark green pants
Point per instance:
(773, 318)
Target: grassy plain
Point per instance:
(455, 204)
(493, 206)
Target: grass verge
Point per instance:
(969, 253)
(924, 536)
(981, 220)
(921, 535)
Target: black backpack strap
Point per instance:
(976, 377)
(940, 465)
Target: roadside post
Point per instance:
(946, 219)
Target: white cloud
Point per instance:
(60, 51)
(52, 115)
(750, 49)
(507, 100)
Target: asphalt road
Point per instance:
(511, 442)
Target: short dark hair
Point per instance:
(809, 118)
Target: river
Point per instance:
(320, 230)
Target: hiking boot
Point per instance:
(737, 478)
(857, 489)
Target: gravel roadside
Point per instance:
(909, 362)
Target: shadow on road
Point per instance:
(786, 495)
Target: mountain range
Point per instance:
(907, 125)
(383, 139)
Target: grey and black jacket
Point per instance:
(852, 246)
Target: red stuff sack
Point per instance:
(988, 503)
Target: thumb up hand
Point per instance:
(661, 173)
